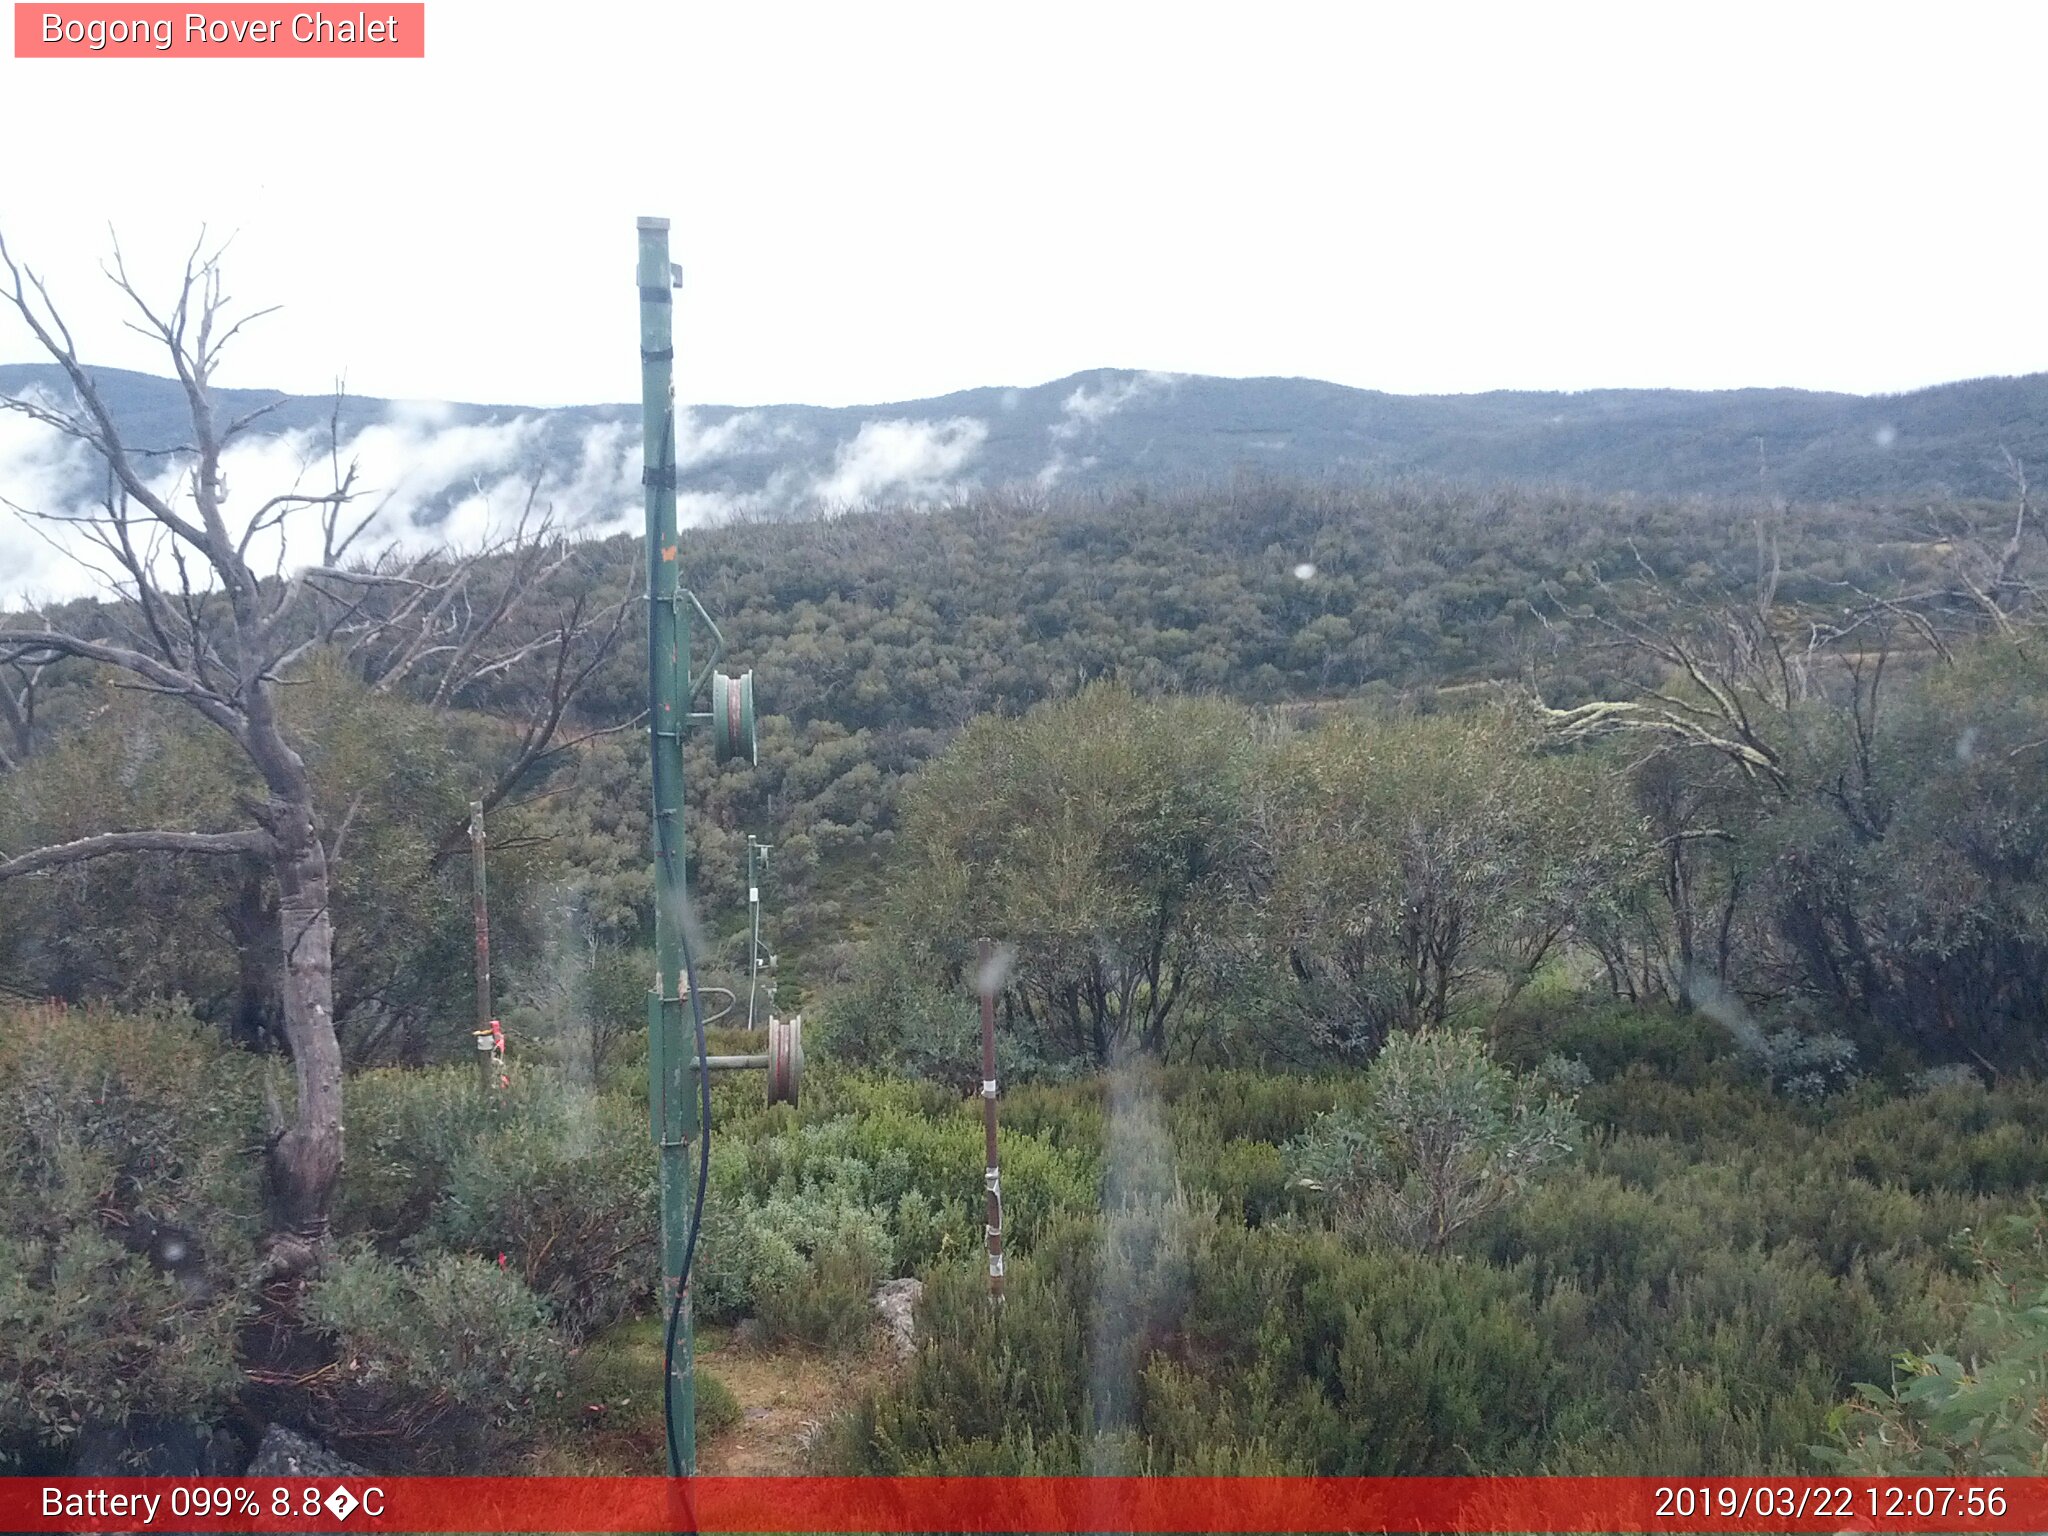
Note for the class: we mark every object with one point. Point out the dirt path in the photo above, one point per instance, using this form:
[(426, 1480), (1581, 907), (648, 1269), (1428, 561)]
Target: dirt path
[(786, 1396)]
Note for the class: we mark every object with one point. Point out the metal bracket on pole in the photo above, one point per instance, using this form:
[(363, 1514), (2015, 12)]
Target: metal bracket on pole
[(717, 642)]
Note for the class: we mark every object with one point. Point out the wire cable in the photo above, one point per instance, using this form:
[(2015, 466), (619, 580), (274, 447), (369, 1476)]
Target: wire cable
[(675, 1307)]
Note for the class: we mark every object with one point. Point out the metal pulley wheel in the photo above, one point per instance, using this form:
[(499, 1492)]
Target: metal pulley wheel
[(732, 717), (785, 1058)]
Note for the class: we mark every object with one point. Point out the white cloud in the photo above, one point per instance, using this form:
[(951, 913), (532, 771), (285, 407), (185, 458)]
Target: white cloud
[(428, 480), (425, 483), (1086, 409), (909, 460)]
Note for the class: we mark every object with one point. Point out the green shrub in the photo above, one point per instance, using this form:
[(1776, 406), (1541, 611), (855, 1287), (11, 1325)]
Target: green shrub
[(829, 1303), (1247, 1178), (570, 1200), (890, 1020), (1443, 1137), (717, 1409), (902, 1159), (1222, 1105), (114, 1127), (556, 1177), (755, 1253), (1984, 1415), (449, 1363), (988, 1393), (407, 1127), (90, 1331)]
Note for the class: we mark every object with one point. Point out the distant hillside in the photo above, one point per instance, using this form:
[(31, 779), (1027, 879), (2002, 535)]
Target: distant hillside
[(1109, 427)]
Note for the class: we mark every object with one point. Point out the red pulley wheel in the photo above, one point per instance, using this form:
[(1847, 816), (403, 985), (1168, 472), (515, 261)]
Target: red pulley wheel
[(785, 1058)]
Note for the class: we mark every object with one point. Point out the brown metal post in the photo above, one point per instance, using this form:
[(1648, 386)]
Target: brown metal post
[(985, 979), (482, 1035)]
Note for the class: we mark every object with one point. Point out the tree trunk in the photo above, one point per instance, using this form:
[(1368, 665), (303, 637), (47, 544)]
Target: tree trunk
[(258, 1022), (306, 1159)]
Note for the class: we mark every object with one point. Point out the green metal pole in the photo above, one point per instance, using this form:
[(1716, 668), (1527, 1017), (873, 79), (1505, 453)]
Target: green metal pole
[(671, 1049)]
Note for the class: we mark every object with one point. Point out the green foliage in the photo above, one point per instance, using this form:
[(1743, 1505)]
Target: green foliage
[(768, 1257), (115, 1128), (89, 1330), (1444, 1136), (1881, 880), (717, 1409), (880, 1177), (400, 775), (892, 1019), (130, 930), (1100, 836), (1695, 1294), (126, 932), (555, 1177), (1746, 1231), (1609, 1038), (1986, 1415), (568, 1198), (406, 1129), (829, 1304), (449, 1361), (549, 1174), (1412, 865)]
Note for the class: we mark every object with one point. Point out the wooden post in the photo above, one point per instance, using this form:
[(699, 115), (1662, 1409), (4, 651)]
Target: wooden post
[(481, 1035), (985, 980)]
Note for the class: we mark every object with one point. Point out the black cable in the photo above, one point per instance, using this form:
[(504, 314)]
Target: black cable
[(675, 1307)]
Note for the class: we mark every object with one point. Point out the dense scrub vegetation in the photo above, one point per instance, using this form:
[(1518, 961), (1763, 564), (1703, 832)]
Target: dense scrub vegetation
[(1696, 1287), (1506, 1000)]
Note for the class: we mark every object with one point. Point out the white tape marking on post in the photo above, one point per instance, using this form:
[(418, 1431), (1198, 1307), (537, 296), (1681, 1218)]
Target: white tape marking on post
[(995, 1266), (988, 1087)]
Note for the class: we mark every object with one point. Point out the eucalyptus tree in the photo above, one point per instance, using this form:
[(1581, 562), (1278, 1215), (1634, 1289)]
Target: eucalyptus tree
[(217, 609)]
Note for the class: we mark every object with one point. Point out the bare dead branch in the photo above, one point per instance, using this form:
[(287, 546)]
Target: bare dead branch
[(106, 843)]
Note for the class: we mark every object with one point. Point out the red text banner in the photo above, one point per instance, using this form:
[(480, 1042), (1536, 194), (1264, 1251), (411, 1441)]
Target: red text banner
[(1028, 1504)]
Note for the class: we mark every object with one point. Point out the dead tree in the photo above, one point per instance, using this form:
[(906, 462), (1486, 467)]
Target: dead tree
[(193, 619)]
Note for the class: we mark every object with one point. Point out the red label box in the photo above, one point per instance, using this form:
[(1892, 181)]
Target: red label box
[(223, 31)]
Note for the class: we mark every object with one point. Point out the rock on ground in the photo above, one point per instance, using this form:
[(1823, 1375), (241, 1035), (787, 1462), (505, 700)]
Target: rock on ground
[(284, 1453), (897, 1302)]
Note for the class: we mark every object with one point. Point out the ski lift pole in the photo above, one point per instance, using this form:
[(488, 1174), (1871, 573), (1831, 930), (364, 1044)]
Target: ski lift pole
[(672, 1097), (673, 1062)]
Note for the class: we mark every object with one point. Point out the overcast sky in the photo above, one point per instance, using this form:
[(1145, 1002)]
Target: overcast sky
[(882, 201)]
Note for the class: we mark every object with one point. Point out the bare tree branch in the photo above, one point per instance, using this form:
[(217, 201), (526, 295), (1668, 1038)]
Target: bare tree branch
[(106, 843)]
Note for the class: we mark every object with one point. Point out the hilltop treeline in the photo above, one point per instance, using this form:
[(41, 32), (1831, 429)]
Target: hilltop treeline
[(874, 639)]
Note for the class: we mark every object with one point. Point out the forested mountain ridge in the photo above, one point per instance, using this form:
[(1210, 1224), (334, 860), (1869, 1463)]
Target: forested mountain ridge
[(1110, 427), (876, 637)]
